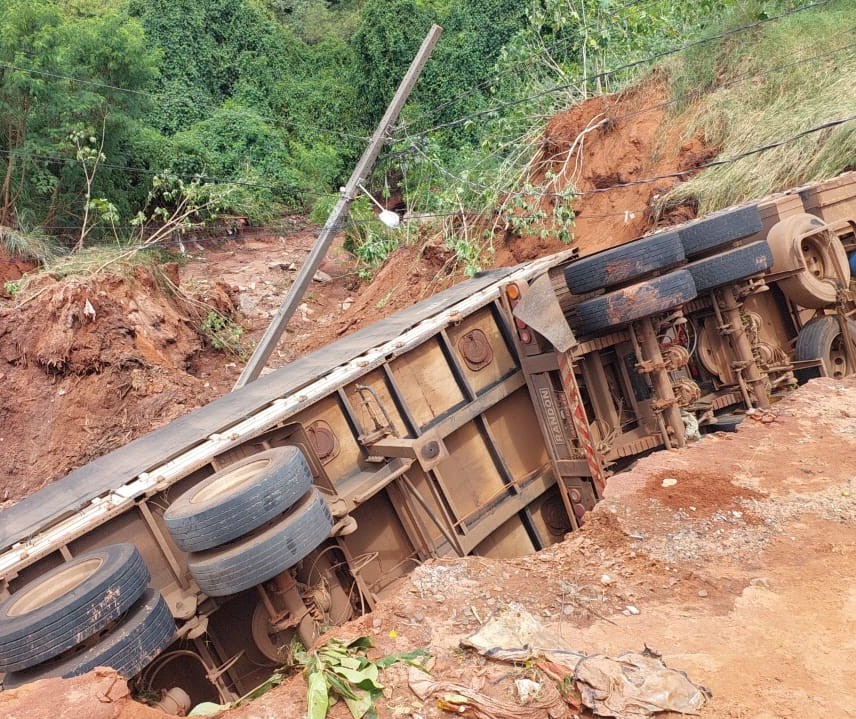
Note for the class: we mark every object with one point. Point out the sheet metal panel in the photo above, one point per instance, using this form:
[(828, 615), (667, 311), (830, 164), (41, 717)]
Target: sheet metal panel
[(77, 489)]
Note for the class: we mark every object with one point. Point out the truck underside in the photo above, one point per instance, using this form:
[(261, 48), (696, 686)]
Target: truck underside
[(454, 427)]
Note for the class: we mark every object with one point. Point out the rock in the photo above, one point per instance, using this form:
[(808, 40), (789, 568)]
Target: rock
[(702, 593), (527, 690), (668, 482), (630, 610), (606, 580), (321, 276)]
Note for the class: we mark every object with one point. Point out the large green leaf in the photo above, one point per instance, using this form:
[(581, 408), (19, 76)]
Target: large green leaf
[(366, 678), (317, 699), (361, 704), (411, 657)]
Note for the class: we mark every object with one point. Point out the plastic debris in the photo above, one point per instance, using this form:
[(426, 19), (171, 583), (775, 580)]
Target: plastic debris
[(527, 690), (635, 686), (629, 686), (513, 634), (460, 699)]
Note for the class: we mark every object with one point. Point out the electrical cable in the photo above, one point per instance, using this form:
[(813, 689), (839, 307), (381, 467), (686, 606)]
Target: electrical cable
[(608, 73), (434, 111), (731, 83), (153, 173), (162, 95), (671, 175)]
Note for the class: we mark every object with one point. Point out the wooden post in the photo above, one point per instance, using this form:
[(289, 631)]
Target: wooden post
[(334, 222)]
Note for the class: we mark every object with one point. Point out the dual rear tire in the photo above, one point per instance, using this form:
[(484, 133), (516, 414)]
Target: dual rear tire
[(94, 610), (250, 521)]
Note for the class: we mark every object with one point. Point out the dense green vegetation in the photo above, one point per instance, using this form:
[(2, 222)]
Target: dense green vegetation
[(259, 107)]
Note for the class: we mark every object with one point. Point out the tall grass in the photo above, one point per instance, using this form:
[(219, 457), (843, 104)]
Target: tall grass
[(29, 244), (764, 86)]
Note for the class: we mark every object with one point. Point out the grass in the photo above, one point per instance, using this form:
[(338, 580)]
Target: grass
[(764, 86), (117, 260), (33, 245)]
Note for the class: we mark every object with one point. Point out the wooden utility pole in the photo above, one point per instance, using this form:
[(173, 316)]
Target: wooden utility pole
[(334, 222)]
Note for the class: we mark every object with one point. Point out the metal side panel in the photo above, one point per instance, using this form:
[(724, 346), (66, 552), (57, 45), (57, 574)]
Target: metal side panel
[(110, 472)]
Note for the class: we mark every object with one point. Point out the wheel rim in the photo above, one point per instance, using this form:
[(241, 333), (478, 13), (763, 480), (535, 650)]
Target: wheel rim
[(230, 480), (816, 258), (837, 358), (61, 584)]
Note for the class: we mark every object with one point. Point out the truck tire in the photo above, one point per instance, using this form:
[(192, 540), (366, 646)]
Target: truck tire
[(264, 553), (625, 263), (238, 499), (643, 299), (730, 266), (712, 232), (820, 257), (146, 630), (821, 339), (69, 604)]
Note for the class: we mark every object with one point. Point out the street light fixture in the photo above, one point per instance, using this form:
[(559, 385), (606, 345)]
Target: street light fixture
[(388, 217)]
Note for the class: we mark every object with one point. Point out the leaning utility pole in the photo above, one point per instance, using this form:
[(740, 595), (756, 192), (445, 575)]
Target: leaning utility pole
[(334, 222)]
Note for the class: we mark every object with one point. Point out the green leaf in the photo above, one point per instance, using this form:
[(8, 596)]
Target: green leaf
[(361, 643), (410, 657), (340, 687), (317, 699), (352, 662), (365, 679), (360, 704)]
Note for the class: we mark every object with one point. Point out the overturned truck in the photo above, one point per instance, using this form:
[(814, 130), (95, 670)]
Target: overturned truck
[(484, 420)]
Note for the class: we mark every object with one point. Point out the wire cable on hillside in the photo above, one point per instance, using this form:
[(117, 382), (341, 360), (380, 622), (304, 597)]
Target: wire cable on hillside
[(484, 84), (80, 80), (749, 76), (657, 178), (613, 71), (614, 119), (167, 95), (727, 160), (182, 176)]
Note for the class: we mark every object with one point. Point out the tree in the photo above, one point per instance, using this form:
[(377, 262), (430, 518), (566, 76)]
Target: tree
[(64, 70), (387, 38)]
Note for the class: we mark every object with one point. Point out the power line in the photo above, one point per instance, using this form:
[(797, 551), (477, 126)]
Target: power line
[(728, 160), (656, 178), (170, 95), (748, 76), (735, 81), (91, 83), (434, 111), (153, 173), (608, 73)]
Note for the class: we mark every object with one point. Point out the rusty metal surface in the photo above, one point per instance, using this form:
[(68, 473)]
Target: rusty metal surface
[(539, 308)]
